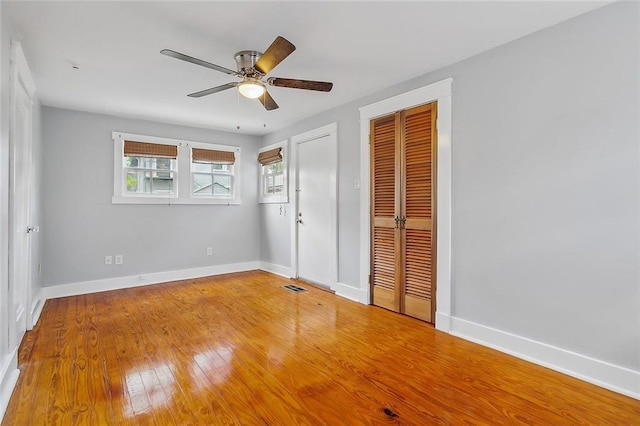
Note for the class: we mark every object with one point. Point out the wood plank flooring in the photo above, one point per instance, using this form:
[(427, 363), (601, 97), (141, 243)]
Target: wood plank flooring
[(239, 349)]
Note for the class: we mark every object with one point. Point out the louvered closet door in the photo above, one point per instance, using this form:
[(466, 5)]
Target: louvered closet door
[(418, 208), (402, 211), (385, 197)]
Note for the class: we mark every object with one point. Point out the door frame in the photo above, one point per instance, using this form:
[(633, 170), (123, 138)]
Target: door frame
[(441, 92), (20, 76), (330, 130)]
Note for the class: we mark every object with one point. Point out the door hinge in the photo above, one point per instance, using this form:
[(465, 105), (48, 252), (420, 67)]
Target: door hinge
[(369, 278)]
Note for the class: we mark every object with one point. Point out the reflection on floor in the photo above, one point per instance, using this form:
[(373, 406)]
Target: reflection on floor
[(237, 349)]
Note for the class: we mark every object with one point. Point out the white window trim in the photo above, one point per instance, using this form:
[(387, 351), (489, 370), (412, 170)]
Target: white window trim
[(183, 193), (279, 198)]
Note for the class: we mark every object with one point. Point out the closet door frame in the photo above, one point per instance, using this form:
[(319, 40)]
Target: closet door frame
[(440, 92)]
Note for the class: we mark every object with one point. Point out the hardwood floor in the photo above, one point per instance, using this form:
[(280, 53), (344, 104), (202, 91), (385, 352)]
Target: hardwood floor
[(239, 349)]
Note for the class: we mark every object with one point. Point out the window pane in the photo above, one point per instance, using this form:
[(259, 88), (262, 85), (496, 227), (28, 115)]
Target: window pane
[(222, 167), (276, 167), (164, 163), (162, 185), (150, 163), (211, 167), (221, 185), (269, 184), (278, 184), (133, 178), (201, 167), (202, 184), (148, 182)]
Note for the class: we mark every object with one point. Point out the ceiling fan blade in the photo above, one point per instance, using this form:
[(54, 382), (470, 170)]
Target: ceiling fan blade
[(197, 61), (279, 49), (320, 86), (212, 90), (268, 102)]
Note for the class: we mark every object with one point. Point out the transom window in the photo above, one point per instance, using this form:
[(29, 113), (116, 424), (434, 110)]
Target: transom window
[(151, 170)]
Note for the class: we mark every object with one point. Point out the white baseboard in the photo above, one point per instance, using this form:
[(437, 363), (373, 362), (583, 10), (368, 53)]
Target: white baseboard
[(8, 378), (86, 287), (613, 377), (36, 308), (283, 271), (350, 292), (443, 322)]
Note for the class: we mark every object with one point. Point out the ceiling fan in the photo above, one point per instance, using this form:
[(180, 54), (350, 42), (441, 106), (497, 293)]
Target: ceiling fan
[(252, 68)]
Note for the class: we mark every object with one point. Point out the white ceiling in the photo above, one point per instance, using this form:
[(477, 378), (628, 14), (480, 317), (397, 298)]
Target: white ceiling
[(360, 46)]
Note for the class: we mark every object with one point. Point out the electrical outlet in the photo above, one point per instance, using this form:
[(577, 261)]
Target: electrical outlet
[(119, 259), (108, 260), (209, 251)]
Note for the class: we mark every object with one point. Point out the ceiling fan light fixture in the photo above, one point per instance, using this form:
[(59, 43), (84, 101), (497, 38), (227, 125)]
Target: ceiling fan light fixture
[(251, 89)]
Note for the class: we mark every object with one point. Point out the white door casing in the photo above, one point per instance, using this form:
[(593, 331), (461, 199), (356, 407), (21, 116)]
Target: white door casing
[(20, 180), (440, 91), (314, 219)]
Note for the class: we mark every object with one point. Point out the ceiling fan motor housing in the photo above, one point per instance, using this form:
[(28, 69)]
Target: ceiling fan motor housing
[(245, 60)]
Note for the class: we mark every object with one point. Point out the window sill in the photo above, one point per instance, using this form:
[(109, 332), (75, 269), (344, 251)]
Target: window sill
[(274, 200), (173, 201)]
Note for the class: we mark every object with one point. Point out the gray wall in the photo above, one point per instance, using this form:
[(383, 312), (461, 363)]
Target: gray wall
[(275, 233), (545, 186), (81, 225)]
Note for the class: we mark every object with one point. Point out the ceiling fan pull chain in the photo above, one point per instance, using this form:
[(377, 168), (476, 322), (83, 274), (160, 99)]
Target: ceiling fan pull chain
[(238, 111)]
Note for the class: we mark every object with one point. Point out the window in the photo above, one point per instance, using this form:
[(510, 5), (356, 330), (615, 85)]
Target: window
[(152, 170), (149, 168), (273, 173), (212, 173)]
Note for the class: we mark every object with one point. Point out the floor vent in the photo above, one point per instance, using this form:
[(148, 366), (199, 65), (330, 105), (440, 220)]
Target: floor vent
[(294, 288)]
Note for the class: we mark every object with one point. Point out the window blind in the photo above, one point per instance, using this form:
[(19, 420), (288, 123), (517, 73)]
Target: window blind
[(270, 157), (146, 149), (212, 156)]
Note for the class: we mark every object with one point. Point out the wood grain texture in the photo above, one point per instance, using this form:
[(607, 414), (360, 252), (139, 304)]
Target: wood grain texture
[(403, 152), (239, 349)]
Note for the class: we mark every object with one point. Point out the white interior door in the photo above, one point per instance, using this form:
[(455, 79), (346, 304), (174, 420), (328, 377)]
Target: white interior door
[(20, 197), (315, 216)]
